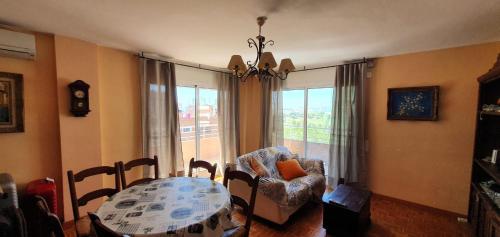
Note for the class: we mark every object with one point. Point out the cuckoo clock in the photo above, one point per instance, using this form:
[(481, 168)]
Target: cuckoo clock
[(79, 94)]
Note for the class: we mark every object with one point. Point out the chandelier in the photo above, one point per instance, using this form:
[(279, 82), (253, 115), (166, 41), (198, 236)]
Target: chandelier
[(264, 63)]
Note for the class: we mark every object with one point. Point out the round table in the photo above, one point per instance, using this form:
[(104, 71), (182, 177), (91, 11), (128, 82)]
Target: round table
[(177, 206)]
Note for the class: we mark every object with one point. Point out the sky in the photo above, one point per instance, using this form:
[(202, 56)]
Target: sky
[(186, 97), (318, 100)]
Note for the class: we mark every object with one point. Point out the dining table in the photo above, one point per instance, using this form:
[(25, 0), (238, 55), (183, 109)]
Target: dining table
[(175, 206)]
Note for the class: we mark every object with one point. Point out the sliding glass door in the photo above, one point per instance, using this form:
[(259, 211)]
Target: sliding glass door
[(294, 120), (186, 99), (208, 126), (307, 118), (198, 124)]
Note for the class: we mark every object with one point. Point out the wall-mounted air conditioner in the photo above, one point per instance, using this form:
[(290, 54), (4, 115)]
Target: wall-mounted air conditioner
[(17, 44)]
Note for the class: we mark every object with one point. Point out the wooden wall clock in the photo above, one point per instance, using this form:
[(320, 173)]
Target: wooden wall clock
[(79, 98)]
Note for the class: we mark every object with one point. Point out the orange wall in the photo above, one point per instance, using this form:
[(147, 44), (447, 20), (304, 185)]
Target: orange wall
[(250, 115), (80, 137), (54, 141), (119, 92), (427, 162), (35, 153)]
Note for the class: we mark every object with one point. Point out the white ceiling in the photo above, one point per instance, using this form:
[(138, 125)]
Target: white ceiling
[(311, 32)]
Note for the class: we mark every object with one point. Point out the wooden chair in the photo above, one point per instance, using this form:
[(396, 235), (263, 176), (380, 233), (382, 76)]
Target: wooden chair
[(253, 183), (50, 224), (100, 229), (202, 164), (82, 225), (138, 162)]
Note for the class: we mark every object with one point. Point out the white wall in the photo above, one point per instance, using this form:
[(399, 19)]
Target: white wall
[(187, 76), (311, 79)]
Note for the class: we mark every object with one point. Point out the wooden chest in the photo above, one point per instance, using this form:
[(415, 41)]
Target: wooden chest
[(346, 211)]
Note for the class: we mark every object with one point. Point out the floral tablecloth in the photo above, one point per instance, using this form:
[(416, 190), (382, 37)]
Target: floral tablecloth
[(179, 206)]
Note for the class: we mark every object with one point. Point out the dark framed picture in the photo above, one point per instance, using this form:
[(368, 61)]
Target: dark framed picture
[(11, 103), (413, 103)]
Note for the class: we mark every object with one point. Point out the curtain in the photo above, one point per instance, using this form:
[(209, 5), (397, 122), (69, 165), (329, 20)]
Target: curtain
[(227, 109), (347, 149), (272, 113), (160, 122)]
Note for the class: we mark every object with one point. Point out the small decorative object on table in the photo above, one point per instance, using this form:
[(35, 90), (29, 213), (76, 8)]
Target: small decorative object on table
[(494, 155), (11, 103), (413, 103)]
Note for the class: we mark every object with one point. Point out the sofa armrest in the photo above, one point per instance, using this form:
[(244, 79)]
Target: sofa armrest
[(273, 188), (312, 165)]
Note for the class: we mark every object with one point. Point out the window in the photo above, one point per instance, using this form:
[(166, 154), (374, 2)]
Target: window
[(293, 121), (199, 124), (307, 118)]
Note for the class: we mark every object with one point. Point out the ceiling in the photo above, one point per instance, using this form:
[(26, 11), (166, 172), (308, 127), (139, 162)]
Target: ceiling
[(311, 32)]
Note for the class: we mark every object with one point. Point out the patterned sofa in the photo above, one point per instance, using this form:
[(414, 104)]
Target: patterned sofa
[(277, 198)]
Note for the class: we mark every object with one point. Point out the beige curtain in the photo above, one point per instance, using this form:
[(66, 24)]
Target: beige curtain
[(228, 112), (347, 150), (160, 122), (272, 113)]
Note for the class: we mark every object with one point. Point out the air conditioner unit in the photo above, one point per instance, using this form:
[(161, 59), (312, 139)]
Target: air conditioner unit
[(17, 44)]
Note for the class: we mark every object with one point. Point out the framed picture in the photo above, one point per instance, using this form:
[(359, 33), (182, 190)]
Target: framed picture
[(11, 103), (413, 103)]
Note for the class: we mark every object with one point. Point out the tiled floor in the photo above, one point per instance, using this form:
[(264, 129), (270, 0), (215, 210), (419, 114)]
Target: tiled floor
[(390, 218)]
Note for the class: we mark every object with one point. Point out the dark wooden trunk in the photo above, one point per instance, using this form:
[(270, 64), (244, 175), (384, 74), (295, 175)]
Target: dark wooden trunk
[(346, 211)]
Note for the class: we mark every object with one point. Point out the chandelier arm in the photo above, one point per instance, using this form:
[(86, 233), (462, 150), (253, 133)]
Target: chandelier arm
[(270, 42), (246, 74), (251, 44), (281, 76), (240, 76)]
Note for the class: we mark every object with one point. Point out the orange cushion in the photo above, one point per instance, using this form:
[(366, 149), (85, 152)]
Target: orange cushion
[(259, 168), (290, 169)]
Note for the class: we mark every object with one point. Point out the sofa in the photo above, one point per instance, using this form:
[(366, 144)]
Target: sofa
[(277, 198)]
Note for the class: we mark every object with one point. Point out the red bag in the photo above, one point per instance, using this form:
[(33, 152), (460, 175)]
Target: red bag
[(45, 188)]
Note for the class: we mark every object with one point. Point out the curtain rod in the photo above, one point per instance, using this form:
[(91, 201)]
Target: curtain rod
[(141, 55), (364, 60)]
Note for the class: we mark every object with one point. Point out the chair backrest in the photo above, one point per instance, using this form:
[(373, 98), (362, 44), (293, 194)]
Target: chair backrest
[(253, 183), (84, 199), (50, 224), (138, 162), (100, 229), (202, 164)]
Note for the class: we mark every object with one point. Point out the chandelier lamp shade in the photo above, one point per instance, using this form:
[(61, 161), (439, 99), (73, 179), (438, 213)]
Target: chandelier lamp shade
[(264, 63)]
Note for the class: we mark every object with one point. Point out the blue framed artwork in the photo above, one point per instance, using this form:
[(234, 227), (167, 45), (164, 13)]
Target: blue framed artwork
[(413, 103)]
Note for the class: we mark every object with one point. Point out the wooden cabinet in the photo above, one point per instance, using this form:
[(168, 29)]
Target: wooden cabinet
[(491, 226), (483, 210), (474, 209), (483, 215)]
